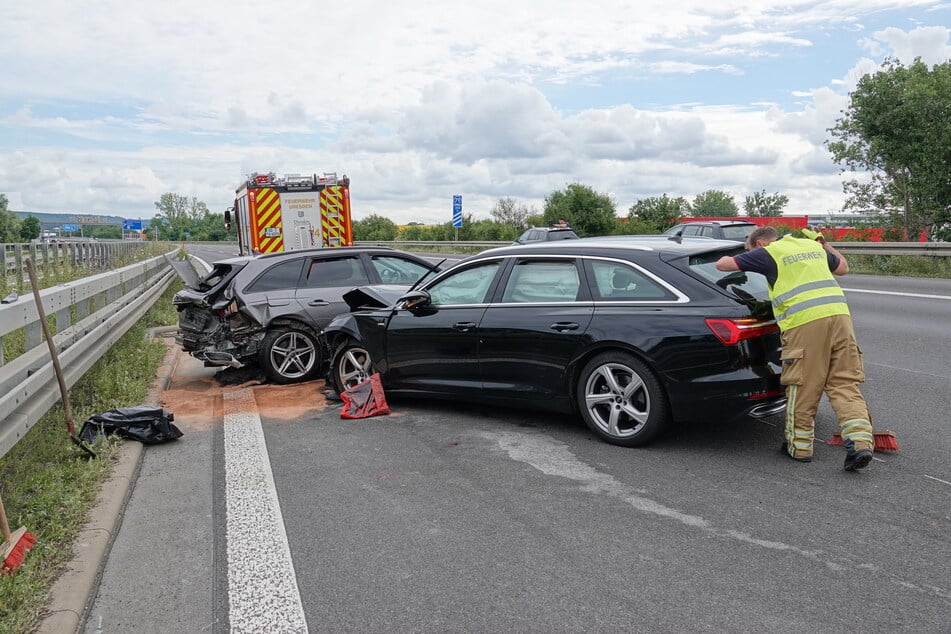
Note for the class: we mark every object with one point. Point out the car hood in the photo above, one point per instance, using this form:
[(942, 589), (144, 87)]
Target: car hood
[(378, 296)]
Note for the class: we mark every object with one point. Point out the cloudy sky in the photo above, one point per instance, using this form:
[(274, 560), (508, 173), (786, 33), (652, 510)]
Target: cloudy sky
[(106, 105)]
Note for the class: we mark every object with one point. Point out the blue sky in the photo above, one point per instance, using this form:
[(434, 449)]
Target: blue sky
[(114, 103)]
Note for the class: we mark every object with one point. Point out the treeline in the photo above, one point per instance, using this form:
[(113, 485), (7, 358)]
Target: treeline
[(13, 229)]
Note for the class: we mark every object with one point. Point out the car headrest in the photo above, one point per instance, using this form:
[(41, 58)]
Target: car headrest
[(623, 278)]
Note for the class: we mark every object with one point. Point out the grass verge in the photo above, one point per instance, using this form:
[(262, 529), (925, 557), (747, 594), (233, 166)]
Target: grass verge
[(49, 486)]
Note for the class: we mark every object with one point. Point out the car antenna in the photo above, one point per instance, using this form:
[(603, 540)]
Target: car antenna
[(426, 274)]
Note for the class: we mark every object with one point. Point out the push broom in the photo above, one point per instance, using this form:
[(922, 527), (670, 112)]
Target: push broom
[(15, 545)]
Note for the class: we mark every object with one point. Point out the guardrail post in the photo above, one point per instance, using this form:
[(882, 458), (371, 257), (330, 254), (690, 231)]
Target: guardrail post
[(18, 258)]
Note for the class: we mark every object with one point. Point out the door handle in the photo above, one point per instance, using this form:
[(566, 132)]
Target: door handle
[(318, 302), (563, 326), (463, 326)]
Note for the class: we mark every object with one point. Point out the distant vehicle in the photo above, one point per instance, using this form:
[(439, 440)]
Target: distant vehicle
[(274, 214), (631, 332), (546, 234), (736, 230)]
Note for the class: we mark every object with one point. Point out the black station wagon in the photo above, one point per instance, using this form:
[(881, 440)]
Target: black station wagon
[(632, 332)]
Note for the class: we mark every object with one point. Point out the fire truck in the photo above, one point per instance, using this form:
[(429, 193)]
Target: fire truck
[(273, 214)]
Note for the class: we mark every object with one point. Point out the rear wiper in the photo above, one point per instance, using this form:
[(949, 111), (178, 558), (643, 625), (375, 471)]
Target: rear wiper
[(426, 274)]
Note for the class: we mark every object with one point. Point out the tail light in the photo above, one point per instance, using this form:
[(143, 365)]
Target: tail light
[(732, 331)]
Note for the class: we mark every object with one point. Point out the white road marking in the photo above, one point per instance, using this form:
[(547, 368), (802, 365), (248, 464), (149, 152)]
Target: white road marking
[(262, 586), (896, 293), (937, 479)]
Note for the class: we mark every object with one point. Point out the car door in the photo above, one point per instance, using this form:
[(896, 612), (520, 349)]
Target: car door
[(534, 329), (271, 293), (434, 349), (326, 277)]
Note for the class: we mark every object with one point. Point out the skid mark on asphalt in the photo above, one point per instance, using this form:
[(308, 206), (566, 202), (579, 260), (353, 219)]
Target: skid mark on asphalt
[(553, 458), (262, 586)]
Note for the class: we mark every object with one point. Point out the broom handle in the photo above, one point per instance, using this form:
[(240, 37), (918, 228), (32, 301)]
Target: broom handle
[(49, 340), (4, 526)]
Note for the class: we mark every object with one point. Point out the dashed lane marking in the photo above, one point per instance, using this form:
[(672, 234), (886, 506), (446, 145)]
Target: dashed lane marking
[(262, 587)]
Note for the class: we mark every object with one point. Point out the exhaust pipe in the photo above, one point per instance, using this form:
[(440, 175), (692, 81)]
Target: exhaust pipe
[(220, 359), (768, 409)]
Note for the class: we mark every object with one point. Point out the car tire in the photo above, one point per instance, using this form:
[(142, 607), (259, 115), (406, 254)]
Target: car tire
[(621, 399), (351, 365), (290, 355)]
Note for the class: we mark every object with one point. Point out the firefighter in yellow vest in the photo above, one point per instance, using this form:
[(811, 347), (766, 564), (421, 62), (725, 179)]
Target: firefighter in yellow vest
[(820, 354)]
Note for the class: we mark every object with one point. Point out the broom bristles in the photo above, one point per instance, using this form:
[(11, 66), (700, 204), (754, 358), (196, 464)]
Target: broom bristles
[(884, 440), (15, 554)]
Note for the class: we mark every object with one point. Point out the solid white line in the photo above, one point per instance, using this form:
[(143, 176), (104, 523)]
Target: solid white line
[(896, 293), (262, 586), (938, 479)]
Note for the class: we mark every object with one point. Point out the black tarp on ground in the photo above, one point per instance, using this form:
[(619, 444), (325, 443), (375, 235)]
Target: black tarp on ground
[(149, 425)]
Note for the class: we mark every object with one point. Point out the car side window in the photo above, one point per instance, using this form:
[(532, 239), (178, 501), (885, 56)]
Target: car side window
[(524, 236), (331, 272), (707, 232), (465, 287), (396, 270), (541, 281), (621, 282), (691, 230), (280, 276)]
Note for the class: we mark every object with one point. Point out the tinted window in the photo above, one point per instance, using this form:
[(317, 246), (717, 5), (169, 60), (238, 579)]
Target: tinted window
[(330, 272), (280, 276), (397, 270), (620, 282), (539, 281), (706, 231), (562, 235), (738, 232), (751, 283), (691, 230), (464, 287)]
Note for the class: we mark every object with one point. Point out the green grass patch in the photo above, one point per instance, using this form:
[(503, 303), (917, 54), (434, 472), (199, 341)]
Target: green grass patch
[(902, 265), (49, 485)]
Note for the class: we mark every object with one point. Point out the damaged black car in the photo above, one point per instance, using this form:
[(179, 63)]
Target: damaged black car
[(630, 332), (269, 310)]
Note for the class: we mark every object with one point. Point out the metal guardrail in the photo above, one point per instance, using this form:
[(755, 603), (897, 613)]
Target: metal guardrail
[(932, 249), (90, 315), (48, 257)]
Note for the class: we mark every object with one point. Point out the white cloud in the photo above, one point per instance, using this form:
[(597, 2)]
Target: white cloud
[(104, 110)]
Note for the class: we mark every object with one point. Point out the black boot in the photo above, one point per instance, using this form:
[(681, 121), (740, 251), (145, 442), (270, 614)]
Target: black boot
[(855, 460)]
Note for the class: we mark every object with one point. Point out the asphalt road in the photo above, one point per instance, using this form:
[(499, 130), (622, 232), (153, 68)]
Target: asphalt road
[(443, 517)]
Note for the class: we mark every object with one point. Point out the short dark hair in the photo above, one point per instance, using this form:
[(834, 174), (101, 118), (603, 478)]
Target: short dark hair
[(761, 233)]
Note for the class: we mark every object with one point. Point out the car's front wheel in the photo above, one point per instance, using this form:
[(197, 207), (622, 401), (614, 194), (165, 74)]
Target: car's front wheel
[(289, 355), (351, 365), (621, 399)]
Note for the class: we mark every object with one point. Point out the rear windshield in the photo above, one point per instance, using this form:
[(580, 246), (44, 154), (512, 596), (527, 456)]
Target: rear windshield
[(218, 274), (754, 284), (737, 232)]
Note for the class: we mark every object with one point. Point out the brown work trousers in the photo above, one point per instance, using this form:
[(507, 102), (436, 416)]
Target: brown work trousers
[(819, 357)]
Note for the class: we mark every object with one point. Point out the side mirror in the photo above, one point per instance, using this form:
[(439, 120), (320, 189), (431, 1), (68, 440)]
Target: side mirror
[(228, 216), (414, 299)]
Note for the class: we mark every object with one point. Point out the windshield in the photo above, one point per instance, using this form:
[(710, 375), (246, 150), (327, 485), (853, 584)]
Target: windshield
[(752, 288)]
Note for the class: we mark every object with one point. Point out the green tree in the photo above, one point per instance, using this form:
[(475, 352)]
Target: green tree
[(588, 212), (763, 205), (9, 223), (714, 202), (376, 228), (655, 213), (178, 215), (30, 228), (894, 140), (510, 212)]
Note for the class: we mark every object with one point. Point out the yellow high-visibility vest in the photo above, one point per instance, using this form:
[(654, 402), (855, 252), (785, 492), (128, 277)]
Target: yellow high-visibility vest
[(805, 289)]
